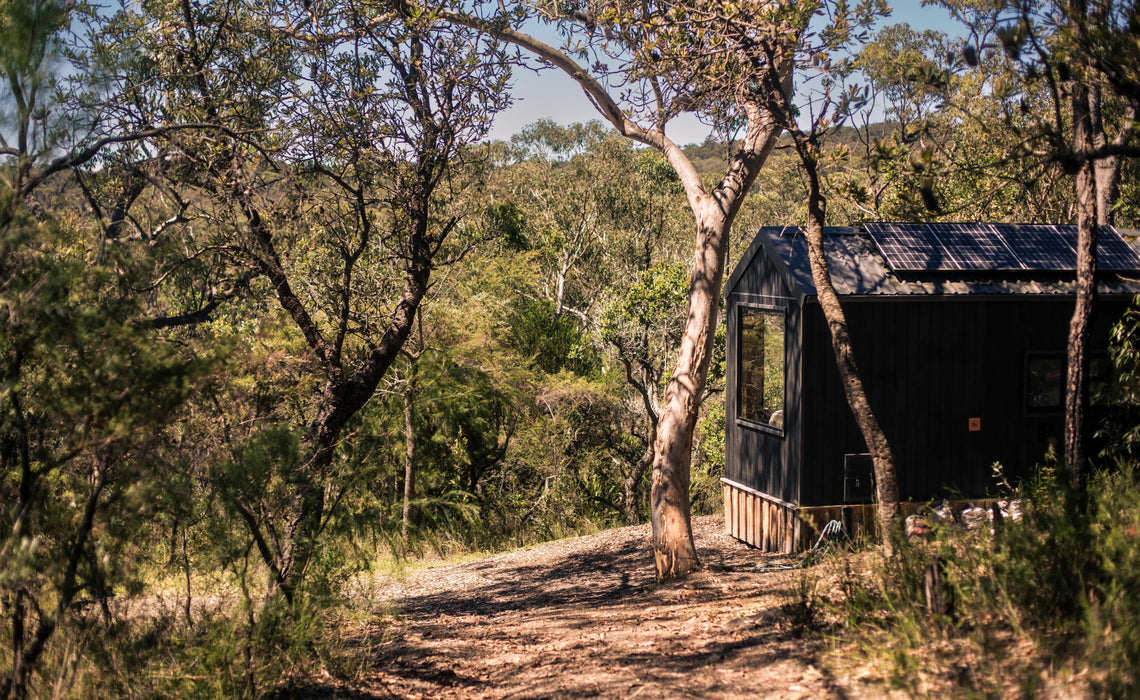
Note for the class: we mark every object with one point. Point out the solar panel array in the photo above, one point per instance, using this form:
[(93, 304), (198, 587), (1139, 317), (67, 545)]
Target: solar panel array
[(954, 246)]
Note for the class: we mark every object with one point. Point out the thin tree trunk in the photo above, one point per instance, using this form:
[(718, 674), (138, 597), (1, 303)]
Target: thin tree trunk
[(631, 483), (1108, 168), (646, 385), (16, 683), (409, 452), (883, 458), (186, 570), (559, 291), (1076, 385)]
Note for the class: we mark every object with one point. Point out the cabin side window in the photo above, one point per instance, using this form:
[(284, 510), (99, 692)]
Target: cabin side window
[(1045, 377), (762, 371)]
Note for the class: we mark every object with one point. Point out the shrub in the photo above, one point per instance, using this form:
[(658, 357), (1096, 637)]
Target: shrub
[(1054, 590)]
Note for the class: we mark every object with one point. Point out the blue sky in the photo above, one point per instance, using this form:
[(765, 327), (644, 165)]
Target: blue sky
[(553, 95)]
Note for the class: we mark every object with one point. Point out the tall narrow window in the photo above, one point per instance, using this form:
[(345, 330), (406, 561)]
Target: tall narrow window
[(762, 366)]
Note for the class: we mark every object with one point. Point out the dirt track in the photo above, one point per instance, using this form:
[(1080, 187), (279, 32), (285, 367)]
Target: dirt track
[(583, 618)]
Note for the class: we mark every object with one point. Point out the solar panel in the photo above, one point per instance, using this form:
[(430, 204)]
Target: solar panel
[(1042, 246), (905, 246), (975, 247), (1113, 253)]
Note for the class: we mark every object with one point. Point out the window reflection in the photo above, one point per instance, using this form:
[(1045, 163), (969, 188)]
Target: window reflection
[(762, 366)]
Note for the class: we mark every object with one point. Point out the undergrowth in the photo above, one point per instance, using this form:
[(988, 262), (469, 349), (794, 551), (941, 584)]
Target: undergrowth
[(1045, 604), (250, 650)]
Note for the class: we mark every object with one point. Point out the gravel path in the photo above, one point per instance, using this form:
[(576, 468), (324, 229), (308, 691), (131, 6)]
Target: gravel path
[(584, 618)]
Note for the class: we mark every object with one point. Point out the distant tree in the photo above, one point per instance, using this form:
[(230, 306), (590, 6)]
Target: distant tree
[(620, 211), (949, 148), (565, 184), (642, 326)]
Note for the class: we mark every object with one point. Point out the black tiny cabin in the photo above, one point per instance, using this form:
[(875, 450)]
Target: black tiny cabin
[(959, 333)]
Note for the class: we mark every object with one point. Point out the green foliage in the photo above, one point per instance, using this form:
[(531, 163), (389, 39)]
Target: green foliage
[(550, 141), (87, 400), (231, 650), (30, 49), (1053, 588), (1121, 428), (644, 323), (654, 300), (705, 491), (508, 224), (564, 479), (552, 342), (199, 372)]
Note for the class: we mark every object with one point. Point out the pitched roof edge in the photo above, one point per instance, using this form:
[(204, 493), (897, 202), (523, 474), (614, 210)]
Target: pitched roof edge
[(761, 241)]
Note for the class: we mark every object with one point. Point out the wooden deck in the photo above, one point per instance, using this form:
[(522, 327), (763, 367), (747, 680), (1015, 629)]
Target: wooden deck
[(772, 525)]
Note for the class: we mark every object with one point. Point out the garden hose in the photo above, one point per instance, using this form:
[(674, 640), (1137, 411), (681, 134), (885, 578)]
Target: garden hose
[(832, 532)]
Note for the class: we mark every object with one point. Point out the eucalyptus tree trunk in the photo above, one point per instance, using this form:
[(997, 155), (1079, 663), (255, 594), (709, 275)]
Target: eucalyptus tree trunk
[(882, 456), (673, 548), (713, 211), (1076, 384), (1108, 168)]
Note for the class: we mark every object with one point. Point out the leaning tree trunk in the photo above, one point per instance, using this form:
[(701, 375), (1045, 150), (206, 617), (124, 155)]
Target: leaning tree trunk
[(886, 480), (673, 549), (342, 399)]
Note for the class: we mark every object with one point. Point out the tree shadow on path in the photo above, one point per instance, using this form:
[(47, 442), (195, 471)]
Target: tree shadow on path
[(585, 618)]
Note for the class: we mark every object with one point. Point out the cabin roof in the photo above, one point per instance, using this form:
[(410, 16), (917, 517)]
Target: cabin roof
[(859, 268)]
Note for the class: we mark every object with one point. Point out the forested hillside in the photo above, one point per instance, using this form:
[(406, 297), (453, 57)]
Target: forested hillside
[(275, 313)]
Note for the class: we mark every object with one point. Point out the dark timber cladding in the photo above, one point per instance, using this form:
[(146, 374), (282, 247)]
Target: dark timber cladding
[(959, 333)]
